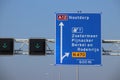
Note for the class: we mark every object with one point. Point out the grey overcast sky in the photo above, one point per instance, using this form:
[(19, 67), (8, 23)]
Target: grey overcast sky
[(36, 18)]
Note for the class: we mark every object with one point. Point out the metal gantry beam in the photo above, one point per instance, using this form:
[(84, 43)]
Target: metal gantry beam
[(110, 41), (113, 49), (25, 42)]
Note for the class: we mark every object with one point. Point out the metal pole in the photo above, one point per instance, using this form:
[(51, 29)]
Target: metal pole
[(59, 76), (77, 72)]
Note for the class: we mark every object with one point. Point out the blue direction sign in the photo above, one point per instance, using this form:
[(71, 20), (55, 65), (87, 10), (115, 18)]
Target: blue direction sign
[(78, 38)]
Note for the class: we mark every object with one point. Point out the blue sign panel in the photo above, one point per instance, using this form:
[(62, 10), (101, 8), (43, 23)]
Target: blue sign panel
[(78, 38)]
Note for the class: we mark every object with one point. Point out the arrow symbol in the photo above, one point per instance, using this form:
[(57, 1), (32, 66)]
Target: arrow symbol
[(61, 24), (66, 55), (4, 45), (61, 39), (37, 45)]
